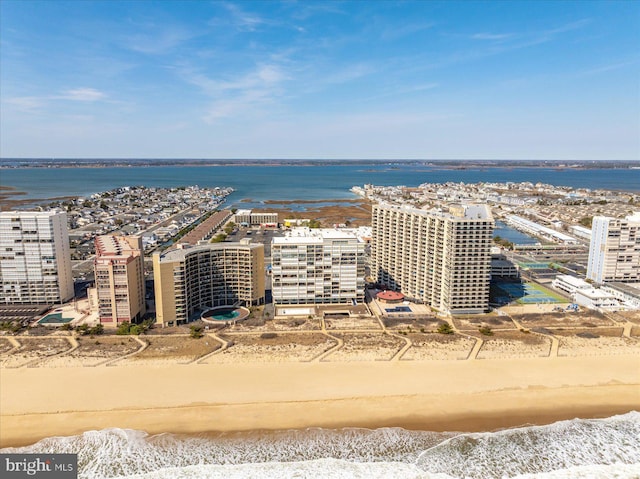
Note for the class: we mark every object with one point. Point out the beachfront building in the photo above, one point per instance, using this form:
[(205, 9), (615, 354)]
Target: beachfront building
[(35, 264), (627, 294), (119, 274), (251, 218), (614, 252), (570, 284), (441, 259), (317, 266), (598, 299), (191, 280)]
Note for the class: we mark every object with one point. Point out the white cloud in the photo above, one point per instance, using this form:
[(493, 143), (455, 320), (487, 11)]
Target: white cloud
[(242, 20), (350, 73), (25, 103), (81, 94), (608, 68), (405, 30), (31, 104), (232, 97), (491, 36)]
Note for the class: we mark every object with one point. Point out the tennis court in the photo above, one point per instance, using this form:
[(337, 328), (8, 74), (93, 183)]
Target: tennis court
[(529, 293), (533, 265)]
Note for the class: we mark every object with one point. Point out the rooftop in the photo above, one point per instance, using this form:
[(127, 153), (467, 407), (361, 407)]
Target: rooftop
[(573, 281), (632, 289), (462, 211), (314, 235), (180, 254), (113, 245)]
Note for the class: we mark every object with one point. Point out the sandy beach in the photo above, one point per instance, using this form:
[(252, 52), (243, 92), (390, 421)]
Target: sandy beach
[(37, 402)]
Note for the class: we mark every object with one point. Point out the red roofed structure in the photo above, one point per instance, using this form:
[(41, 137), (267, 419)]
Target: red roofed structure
[(390, 296)]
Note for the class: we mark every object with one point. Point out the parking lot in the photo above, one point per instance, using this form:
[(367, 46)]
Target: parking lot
[(257, 235)]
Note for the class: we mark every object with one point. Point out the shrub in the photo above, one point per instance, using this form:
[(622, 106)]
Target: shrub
[(97, 330), (445, 328), (83, 329), (486, 331), (124, 328), (137, 329), (268, 336), (196, 331)]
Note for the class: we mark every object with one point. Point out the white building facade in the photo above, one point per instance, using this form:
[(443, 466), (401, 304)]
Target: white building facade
[(596, 299), (317, 266), (35, 262), (570, 284), (614, 252), (190, 280), (436, 258), (119, 274)]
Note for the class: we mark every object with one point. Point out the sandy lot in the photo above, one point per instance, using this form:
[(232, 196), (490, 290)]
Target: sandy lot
[(34, 350), (587, 319), (514, 344), (472, 323), (95, 351), (172, 349), (272, 348), (366, 347), (595, 342), (436, 346), (352, 323)]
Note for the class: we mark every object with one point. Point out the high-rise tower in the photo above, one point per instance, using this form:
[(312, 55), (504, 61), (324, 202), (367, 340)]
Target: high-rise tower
[(437, 258), (119, 272), (614, 252), (35, 262)]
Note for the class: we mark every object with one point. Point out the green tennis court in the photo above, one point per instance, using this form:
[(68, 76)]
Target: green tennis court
[(529, 293)]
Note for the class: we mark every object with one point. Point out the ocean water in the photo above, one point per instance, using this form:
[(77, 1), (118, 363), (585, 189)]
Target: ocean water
[(595, 448), (328, 181)]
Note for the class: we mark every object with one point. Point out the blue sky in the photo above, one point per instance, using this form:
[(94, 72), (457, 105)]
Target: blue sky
[(306, 79)]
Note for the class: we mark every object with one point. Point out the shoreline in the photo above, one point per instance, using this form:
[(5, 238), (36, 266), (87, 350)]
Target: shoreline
[(459, 164), (484, 395)]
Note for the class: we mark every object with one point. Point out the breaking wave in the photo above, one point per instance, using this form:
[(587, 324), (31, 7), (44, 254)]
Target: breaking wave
[(579, 448)]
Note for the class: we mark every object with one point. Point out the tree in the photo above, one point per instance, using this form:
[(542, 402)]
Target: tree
[(83, 329), (228, 229), (586, 221), (97, 330), (445, 328), (124, 328), (503, 242), (196, 331)]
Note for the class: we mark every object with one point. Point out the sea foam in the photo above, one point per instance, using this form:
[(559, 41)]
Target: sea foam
[(608, 448)]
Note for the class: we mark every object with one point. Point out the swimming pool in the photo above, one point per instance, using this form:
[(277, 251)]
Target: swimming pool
[(54, 318), (225, 313)]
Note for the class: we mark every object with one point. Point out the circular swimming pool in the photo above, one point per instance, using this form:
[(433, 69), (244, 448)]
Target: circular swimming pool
[(225, 313)]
